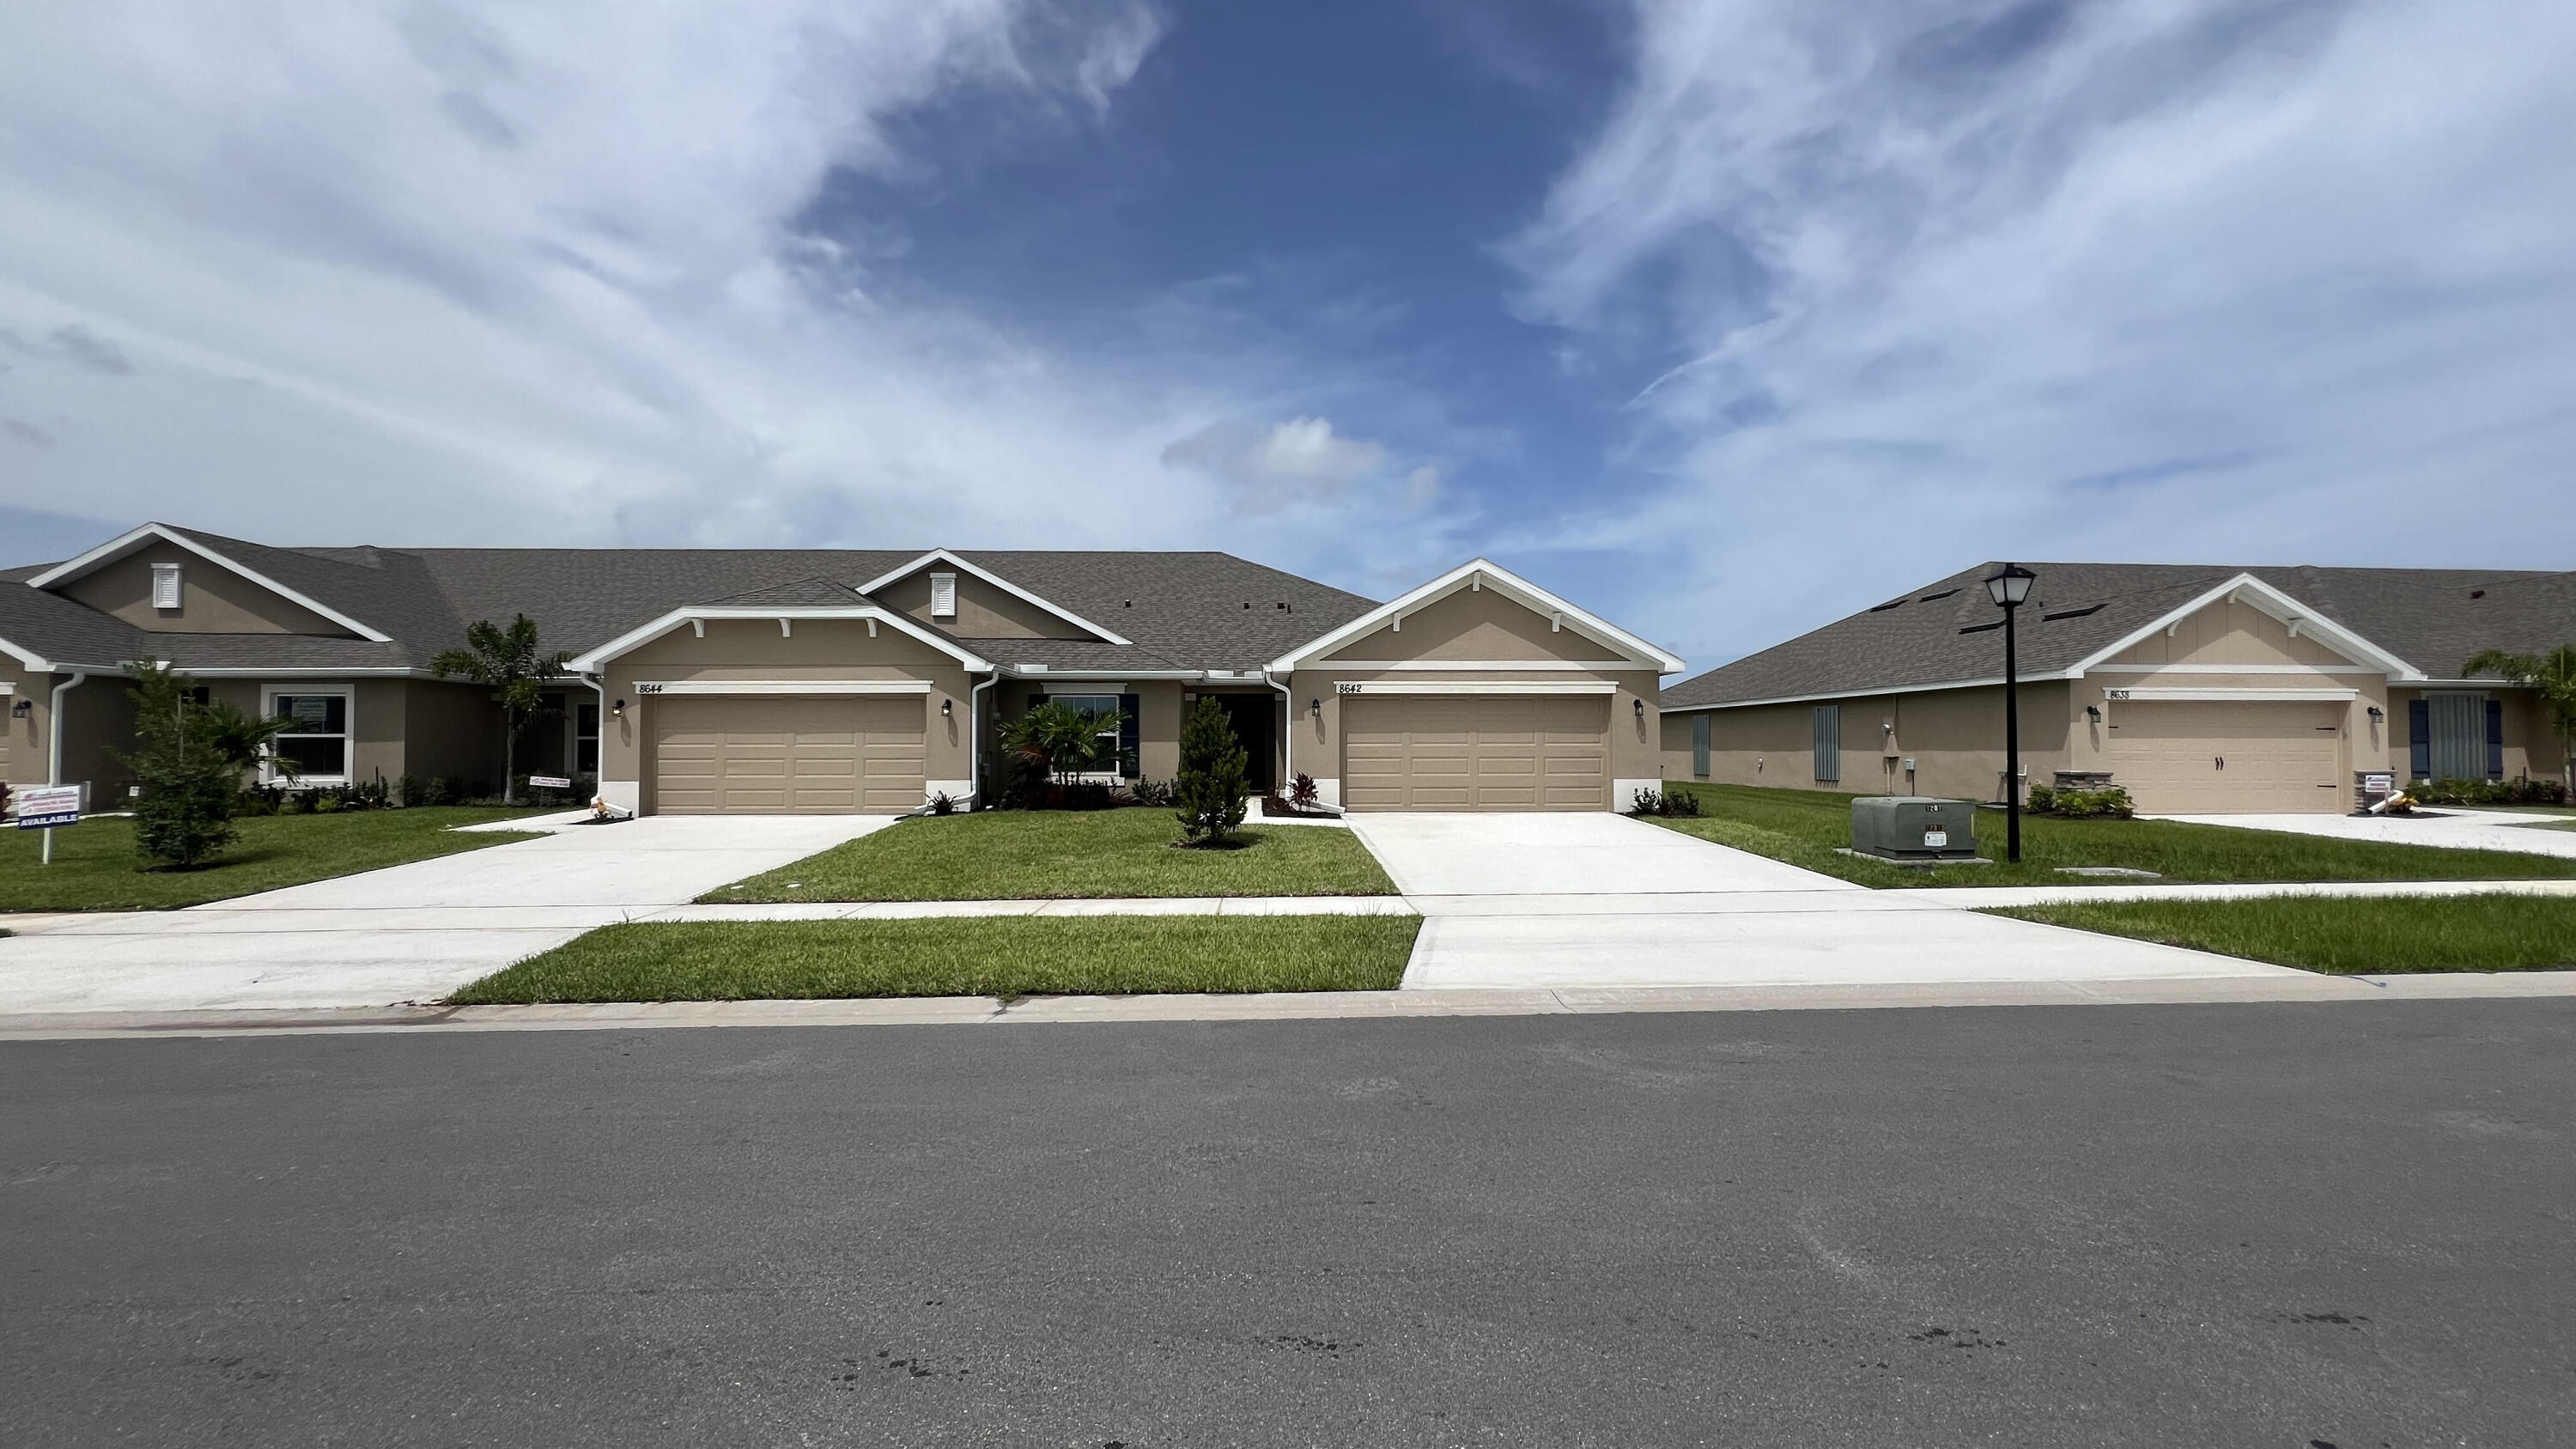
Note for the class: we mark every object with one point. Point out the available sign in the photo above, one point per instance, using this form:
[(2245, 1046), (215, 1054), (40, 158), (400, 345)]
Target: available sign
[(550, 782), (42, 807)]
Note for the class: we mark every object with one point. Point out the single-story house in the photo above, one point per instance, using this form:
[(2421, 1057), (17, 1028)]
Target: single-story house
[(813, 680), (2197, 688)]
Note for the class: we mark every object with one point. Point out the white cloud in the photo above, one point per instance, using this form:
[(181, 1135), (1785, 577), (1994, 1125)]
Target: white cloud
[(1296, 462), (479, 272), (2145, 279)]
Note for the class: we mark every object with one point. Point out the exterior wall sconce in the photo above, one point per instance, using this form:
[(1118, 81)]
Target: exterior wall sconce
[(617, 710), (1641, 708), (1315, 707), (2093, 712), (948, 709), (2377, 714), (21, 708)]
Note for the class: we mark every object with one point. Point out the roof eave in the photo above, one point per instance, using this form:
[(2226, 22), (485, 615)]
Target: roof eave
[(125, 543), (1479, 571)]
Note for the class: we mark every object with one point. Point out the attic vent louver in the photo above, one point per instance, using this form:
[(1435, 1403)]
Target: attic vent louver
[(1928, 598), (2071, 613), (943, 596)]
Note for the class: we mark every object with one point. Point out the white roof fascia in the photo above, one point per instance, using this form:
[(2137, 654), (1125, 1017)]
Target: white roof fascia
[(1995, 682), (117, 548), (1081, 676), (2273, 602), (592, 661), (1483, 572), (943, 556), (32, 660)]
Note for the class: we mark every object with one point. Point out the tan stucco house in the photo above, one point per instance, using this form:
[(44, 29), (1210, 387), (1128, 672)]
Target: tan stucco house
[(810, 680), (2199, 689)]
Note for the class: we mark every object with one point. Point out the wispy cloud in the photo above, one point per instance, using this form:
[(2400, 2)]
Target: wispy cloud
[(1921, 283)]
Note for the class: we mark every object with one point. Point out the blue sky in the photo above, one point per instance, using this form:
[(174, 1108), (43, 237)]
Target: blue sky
[(1724, 319)]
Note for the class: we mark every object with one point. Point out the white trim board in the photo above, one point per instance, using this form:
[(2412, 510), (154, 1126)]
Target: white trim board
[(1491, 686), (1427, 666), (2236, 669), (943, 556), (658, 688), (1477, 574), (119, 547), (2149, 694), (597, 659), (2246, 588)]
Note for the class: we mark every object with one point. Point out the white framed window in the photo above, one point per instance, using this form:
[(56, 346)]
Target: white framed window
[(1107, 704), (943, 596), (317, 734), (165, 586)]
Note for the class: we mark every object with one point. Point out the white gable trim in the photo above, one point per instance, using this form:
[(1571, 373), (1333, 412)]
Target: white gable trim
[(117, 548), (1480, 574), (32, 660), (2309, 623), (943, 556), (597, 659)]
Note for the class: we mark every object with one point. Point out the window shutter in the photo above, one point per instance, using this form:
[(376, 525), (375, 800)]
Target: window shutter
[(1130, 738), (1699, 745), (2419, 739), (1829, 742), (943, 596), (165, 586), (2495, 739)]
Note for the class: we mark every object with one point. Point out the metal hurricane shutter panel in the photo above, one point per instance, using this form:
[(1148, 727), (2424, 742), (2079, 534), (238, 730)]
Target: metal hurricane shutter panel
[(1829, 741)]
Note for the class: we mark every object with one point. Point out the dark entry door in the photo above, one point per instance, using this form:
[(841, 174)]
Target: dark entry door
[(1252, 716)]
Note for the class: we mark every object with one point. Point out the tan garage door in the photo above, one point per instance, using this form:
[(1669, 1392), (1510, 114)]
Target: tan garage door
[(787, 754), (1476, 752), (2200, 758)]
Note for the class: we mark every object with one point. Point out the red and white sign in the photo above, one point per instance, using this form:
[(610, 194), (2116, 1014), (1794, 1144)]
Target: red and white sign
[(42, 807)]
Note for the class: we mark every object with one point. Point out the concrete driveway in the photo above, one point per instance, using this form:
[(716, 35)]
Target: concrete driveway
[(2447, 827), (406, 933), (1603, 900)]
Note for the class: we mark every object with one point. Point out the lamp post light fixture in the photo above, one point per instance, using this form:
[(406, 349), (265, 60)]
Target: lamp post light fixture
[(2009, 587)]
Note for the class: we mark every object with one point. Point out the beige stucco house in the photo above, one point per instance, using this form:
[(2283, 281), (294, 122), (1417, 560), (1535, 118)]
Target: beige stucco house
[(805, 680), (2198, 689)]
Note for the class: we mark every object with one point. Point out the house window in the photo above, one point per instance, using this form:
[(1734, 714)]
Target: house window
[(585, 739), (943, 596), (1829, 742), (1699, 746), (165, 586), (1120, 737), (2455, 736), (316, 735)]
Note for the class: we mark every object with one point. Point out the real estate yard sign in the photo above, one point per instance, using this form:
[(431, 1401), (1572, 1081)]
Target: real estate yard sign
[(42, 807)]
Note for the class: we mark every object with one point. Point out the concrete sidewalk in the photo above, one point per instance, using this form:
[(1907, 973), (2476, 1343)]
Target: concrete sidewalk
[(2293, 986)]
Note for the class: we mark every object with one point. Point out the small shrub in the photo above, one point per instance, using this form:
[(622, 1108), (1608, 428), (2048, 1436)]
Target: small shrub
[(2487, 792), (942, 803), (2110, 803), (1666, 803), (1302, 793), (1151, 792)]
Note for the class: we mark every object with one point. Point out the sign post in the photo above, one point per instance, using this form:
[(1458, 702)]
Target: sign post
[(44, 807)]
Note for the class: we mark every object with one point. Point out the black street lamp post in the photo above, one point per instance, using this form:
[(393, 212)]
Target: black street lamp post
[(2009, 587)]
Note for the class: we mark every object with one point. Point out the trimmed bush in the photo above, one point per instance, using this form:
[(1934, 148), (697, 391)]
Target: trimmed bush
[(1212, 789)]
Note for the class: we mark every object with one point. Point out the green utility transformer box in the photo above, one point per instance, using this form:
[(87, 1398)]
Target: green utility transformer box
[(1914, 828)]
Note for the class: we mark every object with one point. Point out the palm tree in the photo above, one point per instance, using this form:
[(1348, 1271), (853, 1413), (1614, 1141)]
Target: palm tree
[(2553, 677), (509, 663)]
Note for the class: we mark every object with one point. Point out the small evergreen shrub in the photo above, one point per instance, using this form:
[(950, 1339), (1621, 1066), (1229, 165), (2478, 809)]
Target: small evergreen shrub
[(1211, 789), (2110, 803), (1669, 804)]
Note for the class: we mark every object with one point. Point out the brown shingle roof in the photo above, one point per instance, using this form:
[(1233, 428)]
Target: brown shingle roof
[(2434, 619)]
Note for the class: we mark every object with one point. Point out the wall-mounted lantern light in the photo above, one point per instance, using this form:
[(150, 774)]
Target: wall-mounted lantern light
[(2093, 712), (1315, 707), (2377, 714), (21, 708), (948, 709), (617, 710), (1641, 708)]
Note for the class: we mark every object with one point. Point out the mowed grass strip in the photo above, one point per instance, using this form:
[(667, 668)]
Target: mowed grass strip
[(999, 956), (2346, 936), (1019, 855), (1804, 827), (96, 868)]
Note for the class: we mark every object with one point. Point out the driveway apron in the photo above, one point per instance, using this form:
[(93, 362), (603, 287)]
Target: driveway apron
[(405, 933), (1602, 900)]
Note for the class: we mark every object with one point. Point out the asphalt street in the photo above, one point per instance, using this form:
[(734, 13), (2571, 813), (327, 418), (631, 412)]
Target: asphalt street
[(2275, 1225)]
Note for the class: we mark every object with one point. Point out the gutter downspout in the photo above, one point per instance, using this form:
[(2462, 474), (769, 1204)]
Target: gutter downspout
[(975, 741), (599, 806), (54, 728), (1288, 739)]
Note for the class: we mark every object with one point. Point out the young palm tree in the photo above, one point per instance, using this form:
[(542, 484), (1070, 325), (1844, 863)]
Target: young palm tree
[(510, 664), (2553, 677)]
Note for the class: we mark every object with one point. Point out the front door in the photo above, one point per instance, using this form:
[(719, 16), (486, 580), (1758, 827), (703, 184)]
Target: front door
[(1252, 716)]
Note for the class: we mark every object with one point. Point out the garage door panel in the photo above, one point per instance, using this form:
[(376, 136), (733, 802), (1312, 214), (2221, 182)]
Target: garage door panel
[(1471, 752), (769, 754), (2216, 757)]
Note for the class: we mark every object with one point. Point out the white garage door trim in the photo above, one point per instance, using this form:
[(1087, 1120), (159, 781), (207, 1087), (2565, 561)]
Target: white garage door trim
[(1489, 686), (1407, 752), (783, 686), (2195, 757), (805, 756), (2145, 693)]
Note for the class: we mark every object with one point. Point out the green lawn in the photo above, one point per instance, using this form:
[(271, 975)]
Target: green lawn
[(999, 855), (1803, 827), (95, 867), (991, 956), (2347, 935)]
